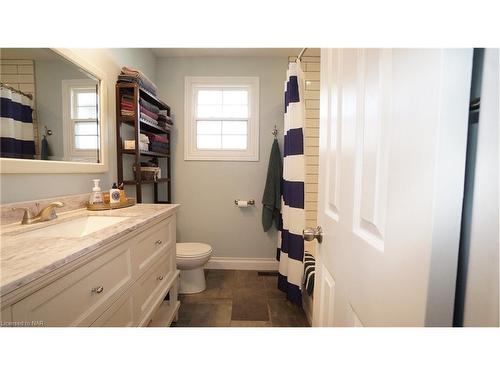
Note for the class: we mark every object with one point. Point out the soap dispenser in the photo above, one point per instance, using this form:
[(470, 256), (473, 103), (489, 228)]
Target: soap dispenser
[(96, 196), (114, 194)]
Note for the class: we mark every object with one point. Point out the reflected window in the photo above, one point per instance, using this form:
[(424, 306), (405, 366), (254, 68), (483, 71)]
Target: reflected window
[(81, 119)]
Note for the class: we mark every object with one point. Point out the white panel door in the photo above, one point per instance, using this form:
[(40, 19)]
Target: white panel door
[(393, 127)]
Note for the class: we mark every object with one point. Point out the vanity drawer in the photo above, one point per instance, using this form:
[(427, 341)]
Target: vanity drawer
[(121, 314), (78, 298), (152, 244), (150, 289)]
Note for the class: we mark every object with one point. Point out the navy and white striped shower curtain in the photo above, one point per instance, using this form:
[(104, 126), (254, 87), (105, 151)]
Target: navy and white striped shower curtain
[(291, 243), (16, 125)]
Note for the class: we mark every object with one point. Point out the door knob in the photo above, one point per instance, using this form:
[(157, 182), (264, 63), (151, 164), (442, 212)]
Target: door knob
[(310, 234)]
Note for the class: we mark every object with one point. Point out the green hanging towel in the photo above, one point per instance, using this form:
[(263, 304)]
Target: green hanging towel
[(272, 192), (45, 152)]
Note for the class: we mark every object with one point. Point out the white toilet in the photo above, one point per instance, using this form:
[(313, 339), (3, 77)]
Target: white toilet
[(191, 257)]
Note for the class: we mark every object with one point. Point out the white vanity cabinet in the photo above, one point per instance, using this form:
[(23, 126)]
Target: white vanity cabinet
[(121, 284)]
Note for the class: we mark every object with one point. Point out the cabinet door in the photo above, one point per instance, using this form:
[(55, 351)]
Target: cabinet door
[(120, 314), (78, 298), (150, 289)]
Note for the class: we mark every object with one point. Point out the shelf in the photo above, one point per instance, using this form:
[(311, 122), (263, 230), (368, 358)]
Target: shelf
[(133, 182), (147, 153), (141, 126), (145, 125), (145, 94)]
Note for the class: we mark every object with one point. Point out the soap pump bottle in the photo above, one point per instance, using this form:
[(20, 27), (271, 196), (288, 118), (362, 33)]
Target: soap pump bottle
[(114, 194), (96, 196)]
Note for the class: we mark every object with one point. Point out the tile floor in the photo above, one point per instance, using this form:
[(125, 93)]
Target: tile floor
[(239, 299)]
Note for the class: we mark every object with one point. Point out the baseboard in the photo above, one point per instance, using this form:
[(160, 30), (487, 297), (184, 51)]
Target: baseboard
[(255, 264)]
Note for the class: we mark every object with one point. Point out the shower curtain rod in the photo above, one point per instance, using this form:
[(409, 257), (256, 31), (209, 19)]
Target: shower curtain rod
[(301, 54)]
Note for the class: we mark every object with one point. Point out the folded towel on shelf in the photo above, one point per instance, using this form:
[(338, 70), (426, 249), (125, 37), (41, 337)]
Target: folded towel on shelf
[(127, 112), (142, 79), (168, 119), (148, 119), (149, 106), (143, 138), (143, 84), (158, 138), (159, 147), (153, 115), (127, 106), (165, 126)]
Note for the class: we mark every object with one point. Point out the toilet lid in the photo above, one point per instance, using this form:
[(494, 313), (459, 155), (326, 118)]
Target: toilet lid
[(192, 249)]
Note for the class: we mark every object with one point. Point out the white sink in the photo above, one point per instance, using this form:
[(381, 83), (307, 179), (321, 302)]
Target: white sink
[(77, 227)]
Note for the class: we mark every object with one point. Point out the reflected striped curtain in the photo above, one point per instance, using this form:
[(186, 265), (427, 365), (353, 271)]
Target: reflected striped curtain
[(16, 124), (291, 246)]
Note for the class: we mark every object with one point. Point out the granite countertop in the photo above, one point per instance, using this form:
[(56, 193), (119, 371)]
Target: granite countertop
[(24, 257)]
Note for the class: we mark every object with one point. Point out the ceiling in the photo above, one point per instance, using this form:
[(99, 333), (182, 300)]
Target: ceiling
[(232, 52)]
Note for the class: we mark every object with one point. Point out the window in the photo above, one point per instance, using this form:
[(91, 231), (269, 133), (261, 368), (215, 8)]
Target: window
[(222, 118), (80, 111)]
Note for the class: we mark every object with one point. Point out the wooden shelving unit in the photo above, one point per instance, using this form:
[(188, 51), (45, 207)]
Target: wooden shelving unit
[(141, 126)]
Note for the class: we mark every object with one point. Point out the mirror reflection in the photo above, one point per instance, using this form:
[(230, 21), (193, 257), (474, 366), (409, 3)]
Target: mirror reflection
[(49, 107)]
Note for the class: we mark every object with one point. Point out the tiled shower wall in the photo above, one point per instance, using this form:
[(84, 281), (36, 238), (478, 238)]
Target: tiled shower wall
[(20, 74), (311, 67)]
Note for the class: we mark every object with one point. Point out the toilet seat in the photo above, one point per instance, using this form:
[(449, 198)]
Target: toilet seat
[(192, 249)]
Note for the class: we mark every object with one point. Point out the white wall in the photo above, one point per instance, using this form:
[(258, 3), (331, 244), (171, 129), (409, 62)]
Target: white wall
[(207, 190), (22, 187)]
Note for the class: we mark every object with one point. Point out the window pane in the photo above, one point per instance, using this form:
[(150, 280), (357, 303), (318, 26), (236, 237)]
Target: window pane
[(86, 142), (234, 127), (235, 97), (208, 127), (209, 110), (208, 142), (87, 99), (85, 128), (235, 110), (209, 97), (86, 112), (234, 142)]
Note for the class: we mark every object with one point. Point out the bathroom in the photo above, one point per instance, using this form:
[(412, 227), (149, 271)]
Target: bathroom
[(205, 189), (248, 189)]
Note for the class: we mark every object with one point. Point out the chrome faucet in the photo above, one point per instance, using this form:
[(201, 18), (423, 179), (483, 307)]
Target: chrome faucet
[(46, 214)]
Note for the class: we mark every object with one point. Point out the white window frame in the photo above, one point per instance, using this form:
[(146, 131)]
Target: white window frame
[(70, 152), (192, 84)]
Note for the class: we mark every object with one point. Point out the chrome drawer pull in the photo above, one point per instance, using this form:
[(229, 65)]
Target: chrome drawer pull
[(97, 289), (160, 277), (158, 242)]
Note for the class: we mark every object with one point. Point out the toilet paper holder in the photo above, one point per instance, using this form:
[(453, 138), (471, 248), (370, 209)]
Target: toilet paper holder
[(250, 202)]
